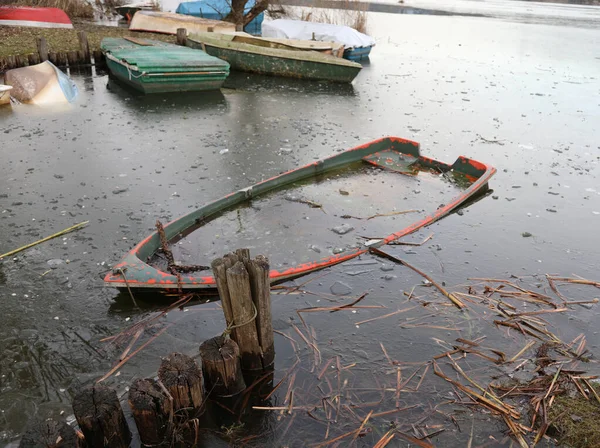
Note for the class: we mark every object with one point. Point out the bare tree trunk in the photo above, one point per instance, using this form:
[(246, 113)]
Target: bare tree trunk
[(237, 12)]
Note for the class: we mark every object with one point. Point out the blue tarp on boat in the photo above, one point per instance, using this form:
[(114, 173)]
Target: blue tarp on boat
[(217, 10)]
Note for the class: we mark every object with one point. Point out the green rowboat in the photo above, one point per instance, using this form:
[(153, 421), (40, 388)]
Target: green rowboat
[(262, 56), (157, 67)]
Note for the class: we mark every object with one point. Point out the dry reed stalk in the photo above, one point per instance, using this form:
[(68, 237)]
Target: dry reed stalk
[(384, 316), (386, 355), (385, 439), (131, 344), (333, 309), (448, 295), (281, 381), (421, 443), (500, 408), (515, 431), (523, 350), (487, 394), (578, 281), (362, 425), (127, 358)]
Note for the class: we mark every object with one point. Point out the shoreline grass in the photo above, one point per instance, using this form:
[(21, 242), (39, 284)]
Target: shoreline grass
[(23, 40)]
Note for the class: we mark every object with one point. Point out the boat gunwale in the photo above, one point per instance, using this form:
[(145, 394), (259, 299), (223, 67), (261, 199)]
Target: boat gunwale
[(146, 276), (339, 62)]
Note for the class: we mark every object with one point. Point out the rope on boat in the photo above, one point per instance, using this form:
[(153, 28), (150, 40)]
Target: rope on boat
[(230, 327), (122, 272)]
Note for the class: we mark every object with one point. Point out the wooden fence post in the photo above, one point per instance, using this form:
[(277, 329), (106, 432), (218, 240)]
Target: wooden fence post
[(181, 36), (152, 409), (100, 417), (221, 367), (49, 434), (83, 43), (42, 47), (183, 379)]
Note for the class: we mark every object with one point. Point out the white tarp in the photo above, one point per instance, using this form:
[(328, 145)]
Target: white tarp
[(325, 32)]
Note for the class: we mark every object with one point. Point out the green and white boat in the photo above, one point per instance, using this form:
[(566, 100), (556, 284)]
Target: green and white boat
[(253, 54), (152, 66)]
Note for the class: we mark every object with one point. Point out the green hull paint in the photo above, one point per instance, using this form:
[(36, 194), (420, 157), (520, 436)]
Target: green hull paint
[(157, 67), (278, 62), (158, 84)]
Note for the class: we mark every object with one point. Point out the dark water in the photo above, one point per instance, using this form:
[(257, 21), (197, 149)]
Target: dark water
[(521, 97)]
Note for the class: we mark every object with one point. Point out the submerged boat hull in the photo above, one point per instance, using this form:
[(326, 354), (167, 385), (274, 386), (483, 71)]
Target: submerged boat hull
[(391, 153), (276, 61)]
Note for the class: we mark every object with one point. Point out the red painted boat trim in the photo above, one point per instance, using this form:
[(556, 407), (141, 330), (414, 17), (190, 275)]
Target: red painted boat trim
[(163, 280), (29, 16)]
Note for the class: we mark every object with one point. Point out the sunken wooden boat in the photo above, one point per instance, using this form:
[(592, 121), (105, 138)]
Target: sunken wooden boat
[(281, 217), (151, 66), (268, 57)]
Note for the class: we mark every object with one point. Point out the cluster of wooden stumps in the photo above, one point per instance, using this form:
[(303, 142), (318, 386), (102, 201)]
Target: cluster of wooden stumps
[(76, 58), (169, 410)]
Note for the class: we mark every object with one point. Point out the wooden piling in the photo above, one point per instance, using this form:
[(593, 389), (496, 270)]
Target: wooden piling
[(85, 48), (34, 58), (61, 59), (99, 57), (100, 418), (244, 316), (181, 36), (221, 367), (260, 285), (52, 58), (21, 60), (244, 289), (49, 434), (42, 47), (183, 379), (152, 409), (72, 58), (11, 62)]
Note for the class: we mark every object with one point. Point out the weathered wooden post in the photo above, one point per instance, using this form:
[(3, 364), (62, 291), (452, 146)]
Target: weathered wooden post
[(52, 57), (72, 58), (183, 379), (98, 57), (22, 60), (83, 43), (34, 58), (11, 62), (61, 58), (100, 417), (181, 36), (49, 434), (221, 367), (152, 409), (42, 47), (244, 289)]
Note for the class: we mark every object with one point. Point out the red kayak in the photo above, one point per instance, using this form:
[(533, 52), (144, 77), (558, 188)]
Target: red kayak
[(38, 17)]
